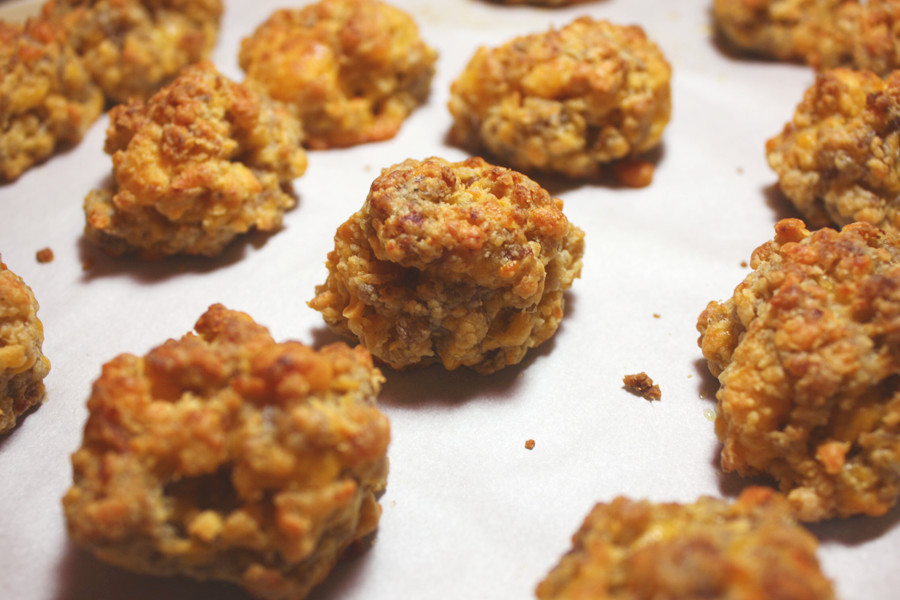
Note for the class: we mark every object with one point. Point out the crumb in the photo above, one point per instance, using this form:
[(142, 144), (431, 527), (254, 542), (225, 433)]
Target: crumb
[(226, 455), (134, 47), (633, 173), (351, 70), (202, 161), (44, 255), (463, 264), (740, 170), (807, 344), (713, 548), (568, 101), (23, 365), (643, 386), (529, 444), (657, 316), (744, 264)]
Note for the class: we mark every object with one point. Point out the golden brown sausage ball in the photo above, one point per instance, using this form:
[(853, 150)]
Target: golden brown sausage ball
[(352, 70), (822, 33), (134, 47), (463, 264), (818, 32), (807, 352), (837, 160), (202, 161), (47, 98), (566, 101), (749, 549), (878, 37), (226, 455), (23, 366)]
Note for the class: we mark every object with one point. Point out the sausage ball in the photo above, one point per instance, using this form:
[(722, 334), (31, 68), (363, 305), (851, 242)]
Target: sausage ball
[(750, 549), (134, 47), (225, 455), (352, 70), (818, 32), (807, 352), (203, 160), (23, 366), (837, 160), (47, 98), (822, 33), (463, 263), (567, 101)]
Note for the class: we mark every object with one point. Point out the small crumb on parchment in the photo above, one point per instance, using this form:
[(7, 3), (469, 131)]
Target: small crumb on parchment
[(641, 385), (633, 173), (529, 444), (44, 255)]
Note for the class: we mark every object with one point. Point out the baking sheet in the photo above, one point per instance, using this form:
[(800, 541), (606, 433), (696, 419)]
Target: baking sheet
[(469, 512)]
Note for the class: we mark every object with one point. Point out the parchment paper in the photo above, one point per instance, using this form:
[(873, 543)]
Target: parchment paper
[(469, 512)]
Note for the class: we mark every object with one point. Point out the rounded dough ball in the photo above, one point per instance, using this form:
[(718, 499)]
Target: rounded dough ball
[(838, 160), (351, 70), (134, 47), (566, 101), (716, 549), (225, 455), (203, 160), (47, 98), (807, 352), (23, 365), (459, 263)]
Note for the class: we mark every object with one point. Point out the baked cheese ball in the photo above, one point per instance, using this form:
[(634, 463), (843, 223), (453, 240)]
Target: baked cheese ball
[(351, 70), (837, 160), (203, 160), (818, 32), (47, 98), (748, 549), (862, 34), (807, 352), (463, 264), (23, 365), (567, 101), (134, 47), (225, 455)]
